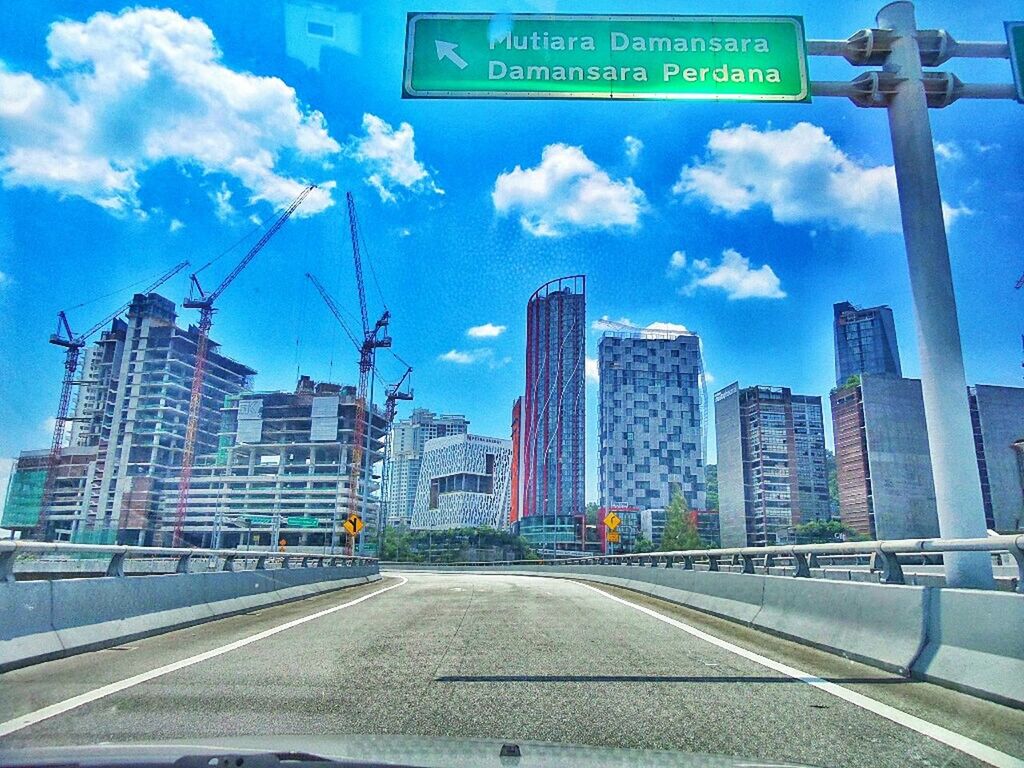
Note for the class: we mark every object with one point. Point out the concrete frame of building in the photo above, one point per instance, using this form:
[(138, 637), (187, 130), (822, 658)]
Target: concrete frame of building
[(283, 471)]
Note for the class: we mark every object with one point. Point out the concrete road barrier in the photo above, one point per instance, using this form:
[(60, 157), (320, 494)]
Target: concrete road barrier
[(880, 625), (32, 633), (976, 643), (42, 620)]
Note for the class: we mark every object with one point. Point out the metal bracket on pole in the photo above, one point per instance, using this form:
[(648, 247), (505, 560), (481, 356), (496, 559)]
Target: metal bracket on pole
[(184, 561), (712, 562), (116, 565), (229, 563), (748, 563), (876, 89), (7, 566), (871, 47), (801, 569), (687, 563), (892, 571)]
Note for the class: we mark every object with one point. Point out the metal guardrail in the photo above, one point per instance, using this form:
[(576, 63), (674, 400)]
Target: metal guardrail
[(10, 550), (884, 556)]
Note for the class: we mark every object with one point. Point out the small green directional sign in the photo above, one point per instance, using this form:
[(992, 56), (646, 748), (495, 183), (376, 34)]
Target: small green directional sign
[(558, 56), (1015, 37), (302, 522)]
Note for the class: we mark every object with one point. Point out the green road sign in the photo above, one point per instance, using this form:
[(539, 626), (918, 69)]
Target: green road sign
[(542, 56), (258, 519), (302, 522), (1015, 37)]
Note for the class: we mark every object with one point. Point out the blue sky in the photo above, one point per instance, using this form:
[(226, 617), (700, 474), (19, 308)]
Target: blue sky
[(129, 142)]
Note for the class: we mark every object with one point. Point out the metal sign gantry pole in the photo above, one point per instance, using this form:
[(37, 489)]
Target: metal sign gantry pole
[(906, 92)]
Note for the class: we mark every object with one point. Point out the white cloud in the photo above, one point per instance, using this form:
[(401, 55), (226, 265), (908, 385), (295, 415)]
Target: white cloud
[(799, 173), (677, 261), (465, 357), (144, 86), (735, 276), (485, 331), (951, 213), (660, 328), (567, 192), (389, 156), (948, 150), (605, 323), (256, 220), (222, 202), (709, 377), (591, 370), (175, 225), (404, 232), (634, 147)]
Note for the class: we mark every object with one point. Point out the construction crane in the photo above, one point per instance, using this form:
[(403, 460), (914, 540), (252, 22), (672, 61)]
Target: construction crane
[(372, 341), (393, 394), (367, 340), (204, 302), (73, 345)]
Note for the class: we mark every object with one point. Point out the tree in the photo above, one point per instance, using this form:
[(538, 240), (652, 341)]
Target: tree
[(592, 510), (711, 484), (821, 532), (642, 545), (833, 482), (680, 531)]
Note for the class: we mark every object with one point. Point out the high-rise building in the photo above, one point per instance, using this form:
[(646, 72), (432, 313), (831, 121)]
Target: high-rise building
[(463, 483), (883, 467), (282, 470), (650, 419), (883, 463), (997, 414), (134, 406), (408, 439), (812, 470), (865, 342), (770, 478), (552, 431)]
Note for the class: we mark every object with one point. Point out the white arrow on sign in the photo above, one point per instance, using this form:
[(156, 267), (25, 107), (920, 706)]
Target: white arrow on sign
[(447, 51)]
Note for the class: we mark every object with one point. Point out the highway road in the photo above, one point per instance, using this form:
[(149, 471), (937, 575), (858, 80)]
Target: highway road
[(512, 657)]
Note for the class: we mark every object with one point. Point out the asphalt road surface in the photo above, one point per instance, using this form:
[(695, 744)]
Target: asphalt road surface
[(510, 657)]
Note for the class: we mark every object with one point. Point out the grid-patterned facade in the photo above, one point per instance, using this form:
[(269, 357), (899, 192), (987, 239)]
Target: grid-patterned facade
[(408, 438), (865, 342), (762, 476), (552, 432), (650, 419), (464, 482)]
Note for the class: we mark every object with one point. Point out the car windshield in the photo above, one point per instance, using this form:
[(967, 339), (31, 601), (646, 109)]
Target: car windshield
[(418, 382)]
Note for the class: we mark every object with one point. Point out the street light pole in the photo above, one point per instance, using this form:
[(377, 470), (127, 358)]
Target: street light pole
[(943, 383)]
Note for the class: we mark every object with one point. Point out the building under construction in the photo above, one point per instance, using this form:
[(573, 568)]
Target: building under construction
[(281, 470), (128, 430)]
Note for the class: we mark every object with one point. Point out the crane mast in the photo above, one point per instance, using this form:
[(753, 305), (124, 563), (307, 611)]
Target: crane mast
[(73, 345), (372, 341), (204, 303)]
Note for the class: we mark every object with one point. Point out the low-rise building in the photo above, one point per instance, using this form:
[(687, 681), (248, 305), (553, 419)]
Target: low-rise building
[(464, 481)]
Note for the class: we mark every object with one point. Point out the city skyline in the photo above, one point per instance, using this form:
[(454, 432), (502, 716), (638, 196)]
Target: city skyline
[(754, 276)]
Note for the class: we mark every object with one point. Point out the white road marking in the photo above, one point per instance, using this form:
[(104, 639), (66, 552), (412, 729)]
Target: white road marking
[(937, 732), (24, 721)]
